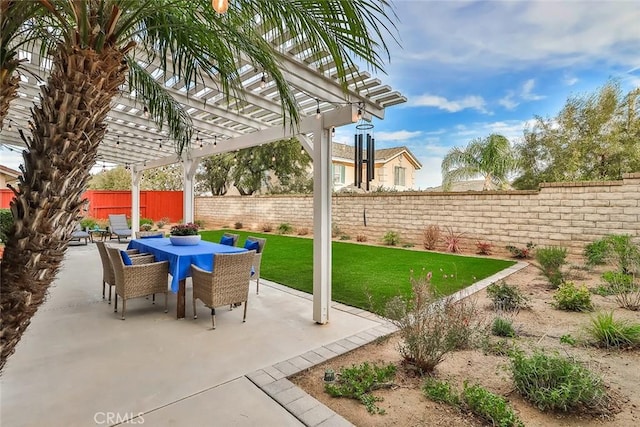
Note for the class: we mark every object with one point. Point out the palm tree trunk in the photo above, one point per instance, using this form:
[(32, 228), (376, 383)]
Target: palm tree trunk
[(8, 92), (67, 129)]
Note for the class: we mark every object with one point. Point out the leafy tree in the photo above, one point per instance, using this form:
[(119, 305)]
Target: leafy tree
[(96, 47), (214, 174), (161, 178), (594, 137), (491, 157)]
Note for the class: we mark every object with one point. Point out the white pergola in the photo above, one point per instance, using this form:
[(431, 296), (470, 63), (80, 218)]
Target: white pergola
[(252, 119)]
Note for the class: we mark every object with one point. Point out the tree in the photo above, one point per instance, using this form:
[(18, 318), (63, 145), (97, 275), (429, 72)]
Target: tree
[(165, 178), (491, 157), (594, 137), (96, 47), (214, 174), (285, 160)]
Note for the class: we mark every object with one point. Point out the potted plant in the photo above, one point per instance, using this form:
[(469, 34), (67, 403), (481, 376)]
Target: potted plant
[(184, 234)]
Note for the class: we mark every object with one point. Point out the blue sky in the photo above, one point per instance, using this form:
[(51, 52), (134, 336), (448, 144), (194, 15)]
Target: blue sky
[(473, 68), (470, 69)]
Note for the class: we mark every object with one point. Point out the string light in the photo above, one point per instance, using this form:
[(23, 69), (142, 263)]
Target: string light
[(215, 140), (160, 142), (263, 81), (333, 131), (220, 6), (9, 127), (118, 141), (318, 115), (273, 159), (145, 112)]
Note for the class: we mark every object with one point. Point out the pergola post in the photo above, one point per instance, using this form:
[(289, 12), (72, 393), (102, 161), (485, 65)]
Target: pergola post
[(189, 171), (321, 223), (136, 175)]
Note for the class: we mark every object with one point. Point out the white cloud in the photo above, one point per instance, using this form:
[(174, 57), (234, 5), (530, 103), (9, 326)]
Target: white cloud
[(570, 81), (400, 135), (508, 101), (527, 91), (453, 106)]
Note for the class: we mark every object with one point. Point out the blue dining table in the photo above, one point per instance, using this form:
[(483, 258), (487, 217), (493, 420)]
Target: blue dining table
[(180, 259)]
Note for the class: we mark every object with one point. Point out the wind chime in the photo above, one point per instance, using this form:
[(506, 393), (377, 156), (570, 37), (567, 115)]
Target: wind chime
[(364, 140)]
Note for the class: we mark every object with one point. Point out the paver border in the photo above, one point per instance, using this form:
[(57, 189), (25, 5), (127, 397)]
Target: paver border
[(273, 380)]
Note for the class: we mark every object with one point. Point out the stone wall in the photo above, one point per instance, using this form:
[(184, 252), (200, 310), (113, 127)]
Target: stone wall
[(564, 214)]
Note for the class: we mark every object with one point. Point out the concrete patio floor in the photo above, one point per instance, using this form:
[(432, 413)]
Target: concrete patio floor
[(78, 364)]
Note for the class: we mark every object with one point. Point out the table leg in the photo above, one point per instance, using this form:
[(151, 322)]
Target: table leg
[(181, 298)]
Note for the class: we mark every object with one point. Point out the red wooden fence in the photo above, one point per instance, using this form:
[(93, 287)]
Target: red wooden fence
[(153, 204)]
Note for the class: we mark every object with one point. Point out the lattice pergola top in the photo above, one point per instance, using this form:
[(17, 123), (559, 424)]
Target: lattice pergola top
[(134, 139)]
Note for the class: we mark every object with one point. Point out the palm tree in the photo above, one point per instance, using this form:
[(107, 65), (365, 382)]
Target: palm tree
[(491, 157), (96, 47)]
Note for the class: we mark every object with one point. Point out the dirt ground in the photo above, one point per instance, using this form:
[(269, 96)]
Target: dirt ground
[(540, 326)]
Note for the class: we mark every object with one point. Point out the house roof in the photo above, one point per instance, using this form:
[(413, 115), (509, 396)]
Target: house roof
[(383, 155), (9, 172)]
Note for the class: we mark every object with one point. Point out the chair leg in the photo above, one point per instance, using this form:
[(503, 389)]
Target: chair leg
[(153, 299), (258, 286), (244, 318), (110, 294), (195, 314), (103, 285), (115, 308), (213, 317), (124, 307), (166, 302)]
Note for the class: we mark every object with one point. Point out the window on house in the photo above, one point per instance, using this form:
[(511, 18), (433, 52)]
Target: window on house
[(338, 173), (398, 175)]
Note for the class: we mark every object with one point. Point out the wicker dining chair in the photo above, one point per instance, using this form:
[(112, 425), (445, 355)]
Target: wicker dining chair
[(226, 285), (257, 259), (108, 276), (138, 280), (226, 236)]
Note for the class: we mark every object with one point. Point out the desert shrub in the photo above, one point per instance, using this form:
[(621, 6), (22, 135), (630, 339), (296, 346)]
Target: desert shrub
[(568, 297), (146, 227), (430, 236), (358, 381), (489, 406), (238, 225), (595, 252), (440, 391), (551, 260), (483, 248), (568, 339), (163, 221), (391, 238), (617, 249), (144, 221), (452, 240), (361, 238), (284, 228), (502, 327), (430, 327), (556, 383), (522, 253), (506, 297), (335, 230), (629, 299), (303, 231), (497, 347), (266, 227), (345, 237), (608, 332), (87, 223), (615, 282)]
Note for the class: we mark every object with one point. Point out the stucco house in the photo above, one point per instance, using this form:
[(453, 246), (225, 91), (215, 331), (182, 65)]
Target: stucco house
[(8, 176), (395, 168)]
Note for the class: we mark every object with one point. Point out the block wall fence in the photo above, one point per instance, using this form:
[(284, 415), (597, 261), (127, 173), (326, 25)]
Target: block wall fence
[(560, 214)]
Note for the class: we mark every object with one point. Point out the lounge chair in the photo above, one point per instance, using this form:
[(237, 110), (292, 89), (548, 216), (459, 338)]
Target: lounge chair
[(226, 285), (79, 234), (118, 226)]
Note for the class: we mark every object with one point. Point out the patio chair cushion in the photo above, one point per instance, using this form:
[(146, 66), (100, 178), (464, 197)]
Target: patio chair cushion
[(226, 241), (251, 245), (125, 258)]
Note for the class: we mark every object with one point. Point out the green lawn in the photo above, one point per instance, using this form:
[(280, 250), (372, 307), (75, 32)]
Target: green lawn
[(359, 269)]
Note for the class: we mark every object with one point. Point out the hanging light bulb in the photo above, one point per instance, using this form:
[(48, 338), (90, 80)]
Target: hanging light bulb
[(198, 139), (359, 112), (145, 112), (220, 6), (273, 159), (263, 81), (118, 141), (215, 140), (160, 143), (103, 167), (301, 150), (333, 131), (318, 115), (10, 127)]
